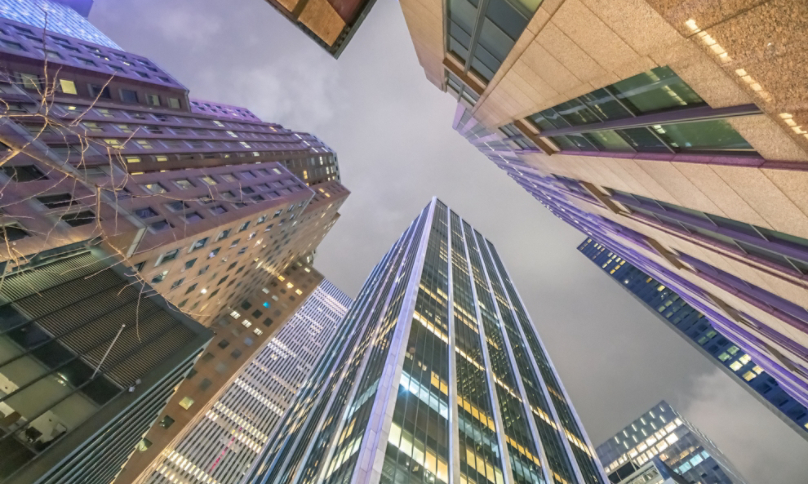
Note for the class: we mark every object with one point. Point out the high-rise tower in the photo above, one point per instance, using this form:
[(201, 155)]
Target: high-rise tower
[(212, 207), (661, 433), (696, 329), (436, 374), (222, 446), (665, 131)]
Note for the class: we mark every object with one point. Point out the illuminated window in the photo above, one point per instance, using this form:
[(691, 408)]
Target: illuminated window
[(186, 402)]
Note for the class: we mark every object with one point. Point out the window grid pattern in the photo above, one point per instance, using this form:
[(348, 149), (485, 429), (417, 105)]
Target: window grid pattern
[(418, 446), (223, 445), (479, 452), (697, 329), (522, 446), (588, 466)]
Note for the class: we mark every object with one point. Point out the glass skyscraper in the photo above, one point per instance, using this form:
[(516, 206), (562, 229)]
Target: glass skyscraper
[(62, 17), (436, 375), (222, 446), (661, 433), (696, 329)]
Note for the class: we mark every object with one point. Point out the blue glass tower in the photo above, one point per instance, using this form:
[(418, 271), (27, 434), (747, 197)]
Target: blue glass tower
[(696, 329)]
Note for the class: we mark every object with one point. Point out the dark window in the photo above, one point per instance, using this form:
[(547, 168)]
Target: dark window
[(256, 314), (177, 206), (160, 225), (221, 281), (192, 217), (12, 232), (218, 210), (145, 212), (268, 322), (166, 422), (224, 344), (170, 255), (205, 384), (56, 201), (190, 263), (191, 288), (101, 92), (208, 356), (23, 173), (191, 374), (245, 305), (128, 96), (236, 353), (78, 219)]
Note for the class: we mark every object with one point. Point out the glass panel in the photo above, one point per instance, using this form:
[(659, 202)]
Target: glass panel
[(576, 113), (581, 142), (507, 18), (461, 52), (765, 254), (480, 69), (554, 118), (711, 235), (703, 135), (605, 105), (563, 143), (21, 371), (656, 90), (541, 122), (495, 41), (774, 235), (642, 140), (33, 400), (459, 34), (101, 390), (52, 354), (463, 13), (608, 140)]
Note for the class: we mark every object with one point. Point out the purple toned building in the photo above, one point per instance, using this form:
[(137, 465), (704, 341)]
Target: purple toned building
[(699, 255), (216, 210)]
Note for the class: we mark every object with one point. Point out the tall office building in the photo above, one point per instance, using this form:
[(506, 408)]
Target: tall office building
[(210, 205), (653, 472), (88, 357), (696, 329), (663, 434), (435, 375), (665, 131), (65, 17), (330, 23), (222, 446)]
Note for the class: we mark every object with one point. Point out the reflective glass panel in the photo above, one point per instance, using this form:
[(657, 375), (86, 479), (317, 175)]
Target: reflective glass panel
[(713, 135), (656, 90)]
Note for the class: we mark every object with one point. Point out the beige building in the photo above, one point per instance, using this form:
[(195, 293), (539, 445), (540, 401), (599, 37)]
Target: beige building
[(675, 133)]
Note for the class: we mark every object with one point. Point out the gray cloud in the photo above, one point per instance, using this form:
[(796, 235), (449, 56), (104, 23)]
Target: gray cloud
[(392, 131)]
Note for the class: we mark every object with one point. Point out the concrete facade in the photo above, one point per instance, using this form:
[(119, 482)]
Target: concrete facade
[(723, 223)]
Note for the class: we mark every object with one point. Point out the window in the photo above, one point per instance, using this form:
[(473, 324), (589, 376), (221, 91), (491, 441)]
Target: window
[(67, 86), (160, 226), (235, 354), (154, 188), (166, 422), (268, 322), (172, 101), (218, 210), (223, 235), (177, 206), (23, 173), (57, 201), (98, 91), (152, 99), (258, 332), (204, 270), (221, 367), (213, 252), (177, 283), (190, 263), (143, 445), (205, 384), (12, 232), (183, 184), (228, 178), (128, 96), (169, 256), (78, 219), (186, 402), (223, 344), (199, 244), (244, 226), (191, 288), (208, 180), (159, 277)]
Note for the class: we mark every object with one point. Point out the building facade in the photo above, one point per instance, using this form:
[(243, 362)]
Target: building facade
[(682, 151), (222, 446), (696, 329), (661, 433), (211, 206), (87, 362), (329, 23), (436, 374), (65, 17)]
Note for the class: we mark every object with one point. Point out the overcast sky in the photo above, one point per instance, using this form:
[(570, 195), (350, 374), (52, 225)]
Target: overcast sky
[(392, 131)]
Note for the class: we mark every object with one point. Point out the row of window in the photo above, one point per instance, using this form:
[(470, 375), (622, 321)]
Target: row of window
[(96, 127)]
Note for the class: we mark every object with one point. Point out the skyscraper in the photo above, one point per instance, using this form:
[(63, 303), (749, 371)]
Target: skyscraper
[(696, 329), (436, 374), (664, 131), (66, 17), (88, 357), (210, 205), (223, 445), (330, 23), (664, 434)]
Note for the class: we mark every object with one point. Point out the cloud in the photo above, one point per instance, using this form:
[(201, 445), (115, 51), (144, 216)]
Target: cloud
[(760, 445)]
